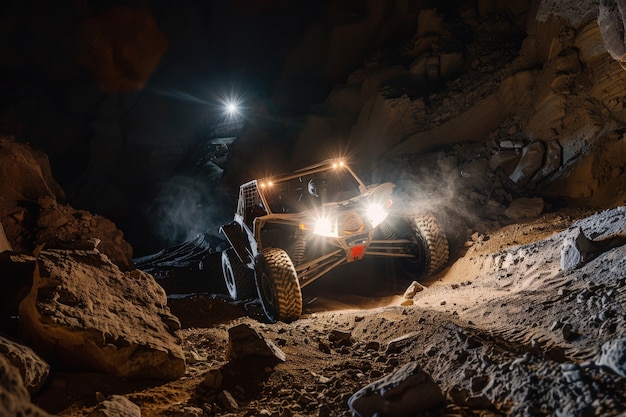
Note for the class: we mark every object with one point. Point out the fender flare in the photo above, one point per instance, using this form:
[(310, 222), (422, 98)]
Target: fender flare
[(238, 239)]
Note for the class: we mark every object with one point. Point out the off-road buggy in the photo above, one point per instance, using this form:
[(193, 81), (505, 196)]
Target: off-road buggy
[(290, 230)]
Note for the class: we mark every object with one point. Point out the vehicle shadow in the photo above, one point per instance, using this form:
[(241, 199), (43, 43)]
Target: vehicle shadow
[(367, 284)]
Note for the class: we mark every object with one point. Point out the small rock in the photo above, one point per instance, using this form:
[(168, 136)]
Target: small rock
[(337, 338), (412, 290), (530, 162), (568, 334), (194, 357), (324, 379), (478, 383), (188, 412), (511, 144), (213, 379), (116, 406), (478, 402), (463, 397), (227, 401), (408, 391), (523, 207), (501, 158), (576, 250), (571, 372), (399, 343), (244, 341), (613, 356)]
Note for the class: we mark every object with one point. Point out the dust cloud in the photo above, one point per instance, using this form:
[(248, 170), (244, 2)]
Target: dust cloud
[(187, 206), (458, 193)]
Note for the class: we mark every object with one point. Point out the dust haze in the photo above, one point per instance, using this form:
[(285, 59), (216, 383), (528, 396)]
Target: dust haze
[(185, 207), (457, 192)]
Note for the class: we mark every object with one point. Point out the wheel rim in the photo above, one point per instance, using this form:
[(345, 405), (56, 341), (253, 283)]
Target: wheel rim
[(417, 250), (229, 277), (417, 263), (267, 294)]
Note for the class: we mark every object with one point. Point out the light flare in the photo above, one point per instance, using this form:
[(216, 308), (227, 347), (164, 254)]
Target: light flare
[(324, 226), (376, 214), (232, 105)]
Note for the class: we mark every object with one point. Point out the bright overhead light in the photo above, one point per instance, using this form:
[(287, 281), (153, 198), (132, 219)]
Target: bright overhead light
[(232, 106), (232, 109)]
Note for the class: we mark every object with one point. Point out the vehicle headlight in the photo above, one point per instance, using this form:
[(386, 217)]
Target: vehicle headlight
[(324, 226), (376, 214)]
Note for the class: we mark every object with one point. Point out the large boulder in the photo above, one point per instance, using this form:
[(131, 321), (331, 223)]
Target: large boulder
[(84, 313)]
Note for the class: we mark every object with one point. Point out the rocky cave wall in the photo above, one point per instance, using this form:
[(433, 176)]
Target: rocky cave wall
[(537, 81), (551, 116)]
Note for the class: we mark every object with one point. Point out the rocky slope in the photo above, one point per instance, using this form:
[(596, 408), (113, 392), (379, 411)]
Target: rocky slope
[(512, 327)]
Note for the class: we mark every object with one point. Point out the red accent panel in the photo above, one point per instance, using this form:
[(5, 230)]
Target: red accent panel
[(357, 252)]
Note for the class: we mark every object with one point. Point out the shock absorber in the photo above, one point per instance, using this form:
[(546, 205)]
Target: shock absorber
[(387, 231), (298, 251)]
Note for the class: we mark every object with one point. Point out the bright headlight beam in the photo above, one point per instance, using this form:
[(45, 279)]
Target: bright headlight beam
[(324, 227), (376, 214)]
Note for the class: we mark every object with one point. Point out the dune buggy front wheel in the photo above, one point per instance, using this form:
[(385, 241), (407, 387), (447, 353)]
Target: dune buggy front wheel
[(432, 244), (278, 286), (428, 249)]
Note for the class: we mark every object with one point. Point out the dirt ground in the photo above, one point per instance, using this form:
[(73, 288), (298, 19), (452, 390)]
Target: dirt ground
[(502, 331)]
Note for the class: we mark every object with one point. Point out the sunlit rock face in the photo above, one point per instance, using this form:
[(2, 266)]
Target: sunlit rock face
[(559, 96), (587, 112), (415, 95), (84, 313)]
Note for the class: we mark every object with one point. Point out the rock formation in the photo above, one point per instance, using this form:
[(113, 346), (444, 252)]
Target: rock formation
[(69, 282)]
